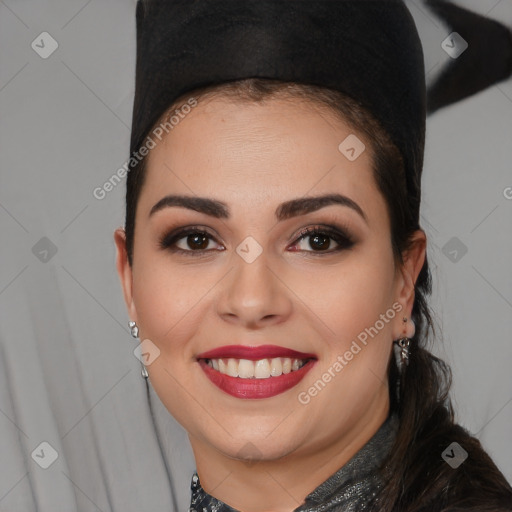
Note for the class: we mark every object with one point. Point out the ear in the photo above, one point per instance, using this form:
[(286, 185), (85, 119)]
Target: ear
[(413, 259), (125, 271)]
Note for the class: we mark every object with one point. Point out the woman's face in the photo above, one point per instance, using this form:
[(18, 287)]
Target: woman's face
[(334, 297)]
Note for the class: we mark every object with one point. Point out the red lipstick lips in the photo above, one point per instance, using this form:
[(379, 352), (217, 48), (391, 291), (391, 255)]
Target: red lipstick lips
[(251, 388), (253, 353)]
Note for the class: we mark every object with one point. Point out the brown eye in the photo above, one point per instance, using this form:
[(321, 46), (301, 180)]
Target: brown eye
[(197, 241), (320, 239), (191, 240)]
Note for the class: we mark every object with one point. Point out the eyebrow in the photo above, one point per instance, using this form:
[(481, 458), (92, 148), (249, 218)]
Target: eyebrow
[(286, 210)]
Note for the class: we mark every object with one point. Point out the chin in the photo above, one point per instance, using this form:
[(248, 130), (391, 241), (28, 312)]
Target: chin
[(261, 441), (257, 450)]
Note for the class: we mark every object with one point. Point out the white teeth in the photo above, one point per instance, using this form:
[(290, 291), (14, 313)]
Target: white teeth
[(261, 369), (276, 367), (245, 369), (232, 369)]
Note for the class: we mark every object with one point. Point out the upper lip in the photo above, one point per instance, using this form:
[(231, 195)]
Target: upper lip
[(253, 353)]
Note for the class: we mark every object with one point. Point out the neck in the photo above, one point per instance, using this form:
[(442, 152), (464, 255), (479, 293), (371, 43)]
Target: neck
[(281, 485)]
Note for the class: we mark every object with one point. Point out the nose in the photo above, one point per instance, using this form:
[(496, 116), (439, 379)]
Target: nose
[(254, 294)]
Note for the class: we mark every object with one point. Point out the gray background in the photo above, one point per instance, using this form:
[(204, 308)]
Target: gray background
[(68, 375)]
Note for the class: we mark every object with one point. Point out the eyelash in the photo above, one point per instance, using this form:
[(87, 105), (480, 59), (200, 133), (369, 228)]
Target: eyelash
[(340, 236)]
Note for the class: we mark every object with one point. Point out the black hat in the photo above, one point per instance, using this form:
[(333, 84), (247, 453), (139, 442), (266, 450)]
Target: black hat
[(368, 49)]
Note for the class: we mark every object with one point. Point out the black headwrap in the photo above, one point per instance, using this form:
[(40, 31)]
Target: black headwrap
[(367, 49)]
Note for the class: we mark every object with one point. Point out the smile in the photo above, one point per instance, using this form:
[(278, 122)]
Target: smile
[(245, 372), (261, 369)]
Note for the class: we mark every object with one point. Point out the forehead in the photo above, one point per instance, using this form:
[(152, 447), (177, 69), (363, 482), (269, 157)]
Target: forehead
[(257, 155)]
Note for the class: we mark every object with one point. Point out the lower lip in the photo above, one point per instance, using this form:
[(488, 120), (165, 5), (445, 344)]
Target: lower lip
[(256, 388)]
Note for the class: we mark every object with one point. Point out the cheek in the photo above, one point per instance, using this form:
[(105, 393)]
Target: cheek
[(349, 297), (356, 348), (168, 301), (356, 304)]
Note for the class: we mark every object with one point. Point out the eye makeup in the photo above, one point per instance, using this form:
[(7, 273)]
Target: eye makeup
[(201, 237)]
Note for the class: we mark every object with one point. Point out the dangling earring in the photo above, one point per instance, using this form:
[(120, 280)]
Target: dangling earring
[(403, 344), (134, 331)]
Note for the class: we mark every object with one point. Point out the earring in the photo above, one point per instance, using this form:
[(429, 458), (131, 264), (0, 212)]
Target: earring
[(403, 344), (134, 331)]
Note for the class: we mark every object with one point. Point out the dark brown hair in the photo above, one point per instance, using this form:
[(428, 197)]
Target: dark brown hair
[(416, 477)]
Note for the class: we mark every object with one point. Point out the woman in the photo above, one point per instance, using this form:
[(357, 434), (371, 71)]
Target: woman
[(273, 264)]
